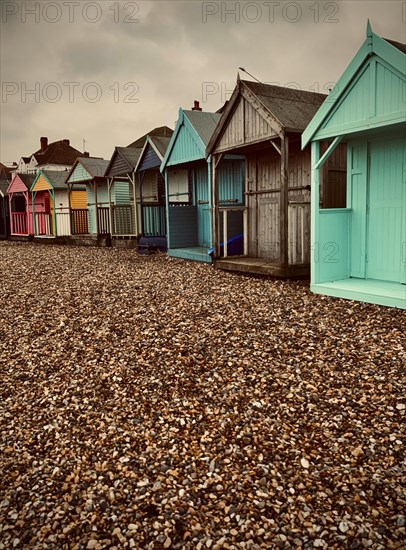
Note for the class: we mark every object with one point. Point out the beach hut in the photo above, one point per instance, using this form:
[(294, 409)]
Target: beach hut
[(123, 186), (264, 123), (151, 195), (4, 210), (50, 189), (20, 205), (188, 189), (358, 248), (122, 191), (95, 218)]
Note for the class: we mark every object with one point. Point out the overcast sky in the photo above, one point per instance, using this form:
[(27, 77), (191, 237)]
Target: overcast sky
[(107, 72)]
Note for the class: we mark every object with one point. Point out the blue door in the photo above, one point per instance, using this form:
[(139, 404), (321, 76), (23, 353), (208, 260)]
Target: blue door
[(386, 211)]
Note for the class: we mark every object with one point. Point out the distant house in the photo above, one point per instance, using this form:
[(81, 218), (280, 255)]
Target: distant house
[(89, 172), (55, 156), (123, 185), (151, 195), (264, 123), (50, 190), (359, 249), (188, 185)]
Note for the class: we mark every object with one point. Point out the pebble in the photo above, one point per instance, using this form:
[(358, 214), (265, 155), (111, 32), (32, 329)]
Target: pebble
[(152, 401)]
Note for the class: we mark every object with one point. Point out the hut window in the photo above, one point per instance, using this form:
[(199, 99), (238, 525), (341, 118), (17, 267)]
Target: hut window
[(333, 178), (150, 187), (178, 187)]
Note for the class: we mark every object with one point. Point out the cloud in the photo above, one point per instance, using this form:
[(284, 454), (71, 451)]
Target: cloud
[(178, 51)]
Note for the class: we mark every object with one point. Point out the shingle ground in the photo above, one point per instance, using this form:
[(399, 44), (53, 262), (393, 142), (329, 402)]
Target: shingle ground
[(147, 402)]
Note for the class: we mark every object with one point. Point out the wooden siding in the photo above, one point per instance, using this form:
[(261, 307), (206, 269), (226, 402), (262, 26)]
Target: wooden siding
[(17, 186), (182, 226), (233, 136), (119, 166), (121, 192), (390, 91), (357, 177), (386, 210), (264, 207), (92, 210), (255, 126), (299, 233), (79, 174), (186, 148), (149, 160), (245, 126), (78, 200), (203, 204), (42, 184), (231, 182), (375, 96), (62, 212)]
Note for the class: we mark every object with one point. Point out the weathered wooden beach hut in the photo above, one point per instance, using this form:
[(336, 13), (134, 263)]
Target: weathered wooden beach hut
[(50, 189), (95, 218), (264, 123), (151, 195), (20, 205), (188, 188), (359, 248)]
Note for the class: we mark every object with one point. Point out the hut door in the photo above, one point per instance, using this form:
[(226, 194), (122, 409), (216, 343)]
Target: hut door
[(203, 208), (386, 210)]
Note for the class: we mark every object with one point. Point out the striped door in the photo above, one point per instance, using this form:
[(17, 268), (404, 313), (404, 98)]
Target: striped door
[(386, 211), (203, 207)]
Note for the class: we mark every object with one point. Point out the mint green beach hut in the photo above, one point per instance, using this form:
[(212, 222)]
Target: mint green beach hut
[(359, 246)]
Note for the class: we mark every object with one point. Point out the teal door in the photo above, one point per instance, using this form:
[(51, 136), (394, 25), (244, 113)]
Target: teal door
[(386, 211), (203, 207)]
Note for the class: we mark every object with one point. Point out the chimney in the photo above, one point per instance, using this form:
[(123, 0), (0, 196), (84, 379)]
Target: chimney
[(66, 141), (44, 143), (196, 106)]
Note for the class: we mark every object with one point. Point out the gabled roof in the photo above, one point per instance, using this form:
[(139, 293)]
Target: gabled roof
[(26, 179), (289, 109), (162, 131), (398, 45), (390, 51), (293, 108), (58, 152), (129, 157), (55, 178), (94, 166), (159, 146), (200, 124)]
